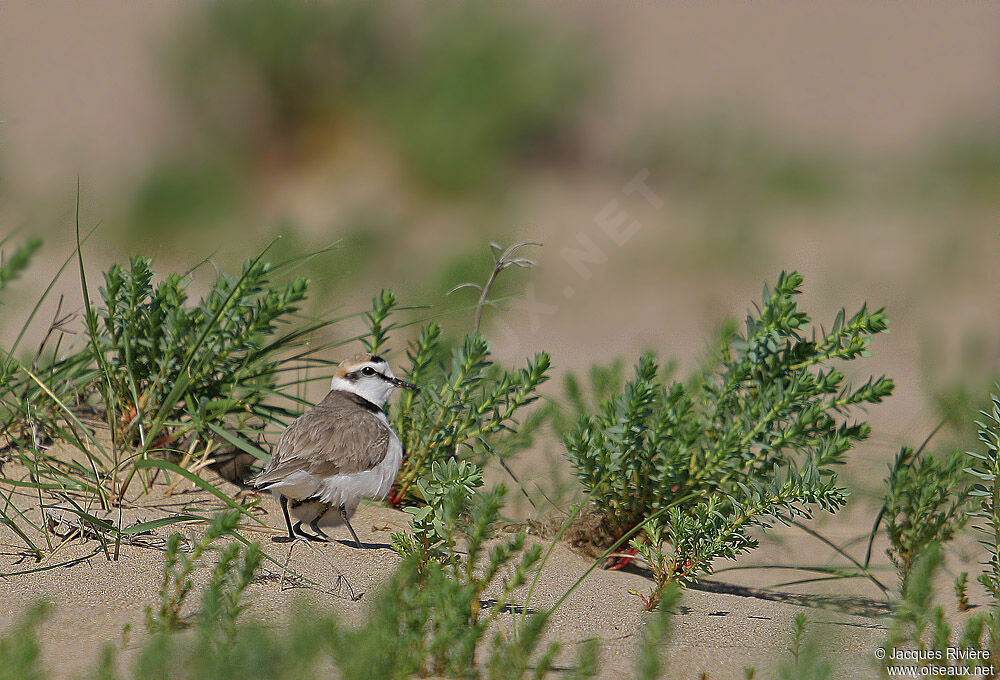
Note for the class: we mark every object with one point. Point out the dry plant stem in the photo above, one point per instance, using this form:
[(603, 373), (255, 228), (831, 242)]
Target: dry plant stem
[(341, 579), (184, 462), (38, 489), (865, 571)]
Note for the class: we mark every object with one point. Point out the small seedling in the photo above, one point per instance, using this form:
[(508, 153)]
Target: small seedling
[(962, 591), (926, 502)]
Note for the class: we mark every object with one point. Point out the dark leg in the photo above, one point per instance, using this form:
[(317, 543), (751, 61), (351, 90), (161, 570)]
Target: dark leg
[(299, 531), (343, 516), (288, 523), (314, 525)]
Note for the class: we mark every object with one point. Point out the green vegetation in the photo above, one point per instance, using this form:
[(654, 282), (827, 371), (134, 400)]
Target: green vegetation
[(926, 503), (985, 467), (221, 598), (447, 490), (920, 624), (176, 383), (686, 473), (752, 439), (739, 165), (20, 648), (465, 408), (11, 267), (168, 381), (176, 370), (464, 97), (186, 194)]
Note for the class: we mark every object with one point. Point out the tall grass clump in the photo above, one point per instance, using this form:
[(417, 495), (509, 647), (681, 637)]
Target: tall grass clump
[(466, 405), (753, 438)]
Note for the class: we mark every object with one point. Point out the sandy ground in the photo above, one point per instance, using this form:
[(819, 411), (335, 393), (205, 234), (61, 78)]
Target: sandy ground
[(81, 96), (722, 625)]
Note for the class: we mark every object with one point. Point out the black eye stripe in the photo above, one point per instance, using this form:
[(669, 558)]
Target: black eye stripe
[(357, 375)]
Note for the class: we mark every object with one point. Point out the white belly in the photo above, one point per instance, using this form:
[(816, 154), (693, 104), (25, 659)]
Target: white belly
[(339, 490)]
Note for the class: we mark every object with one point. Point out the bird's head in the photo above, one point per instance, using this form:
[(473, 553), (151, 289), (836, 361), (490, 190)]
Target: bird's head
[(368, 376)]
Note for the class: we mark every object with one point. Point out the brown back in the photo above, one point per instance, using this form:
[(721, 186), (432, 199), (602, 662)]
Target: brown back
[(340, 435)]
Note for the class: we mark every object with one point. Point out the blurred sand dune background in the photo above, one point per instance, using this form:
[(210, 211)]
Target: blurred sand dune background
[(857, 142)]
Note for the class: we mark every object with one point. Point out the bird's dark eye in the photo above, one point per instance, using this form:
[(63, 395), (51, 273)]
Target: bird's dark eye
[(368, 370)]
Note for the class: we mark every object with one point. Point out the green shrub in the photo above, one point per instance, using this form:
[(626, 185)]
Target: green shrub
[(186, 195), (752, 438), (481, 90), (168, 377), (175, 369), (462, 409)]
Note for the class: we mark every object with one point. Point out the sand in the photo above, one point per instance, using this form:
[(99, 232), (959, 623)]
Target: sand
[(721, 625)]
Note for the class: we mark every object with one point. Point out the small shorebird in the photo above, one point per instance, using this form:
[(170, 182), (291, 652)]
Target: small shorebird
[(339, 452)]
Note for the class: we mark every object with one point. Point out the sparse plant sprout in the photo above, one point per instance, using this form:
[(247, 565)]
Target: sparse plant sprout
[(503, 258), (221, 600), (377, 318), (806, 662), (798, 634), (926, 500), (655, 633), (753, 438), (447, 614)]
